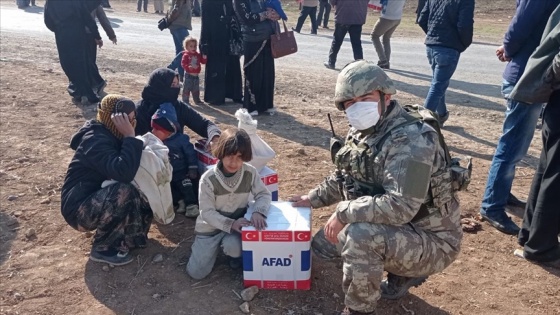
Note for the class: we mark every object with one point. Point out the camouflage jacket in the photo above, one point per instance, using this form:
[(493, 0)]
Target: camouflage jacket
[(407, 166)]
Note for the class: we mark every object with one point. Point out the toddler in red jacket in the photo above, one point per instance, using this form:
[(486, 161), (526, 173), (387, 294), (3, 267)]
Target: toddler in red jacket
[(191, 62)]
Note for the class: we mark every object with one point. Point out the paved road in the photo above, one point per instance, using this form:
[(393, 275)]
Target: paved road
[(478, 73)]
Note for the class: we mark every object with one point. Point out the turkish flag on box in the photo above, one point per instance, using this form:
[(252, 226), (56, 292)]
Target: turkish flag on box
[(279, 257)]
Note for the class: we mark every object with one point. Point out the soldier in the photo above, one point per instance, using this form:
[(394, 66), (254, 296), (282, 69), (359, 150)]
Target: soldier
[(397, 211)]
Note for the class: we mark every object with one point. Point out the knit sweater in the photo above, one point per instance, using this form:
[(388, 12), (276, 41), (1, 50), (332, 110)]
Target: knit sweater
[(222, 200)]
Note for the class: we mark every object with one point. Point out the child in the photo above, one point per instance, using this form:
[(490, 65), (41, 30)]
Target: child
[(223, 195), (277, 6), (182, 157), (191, 62)]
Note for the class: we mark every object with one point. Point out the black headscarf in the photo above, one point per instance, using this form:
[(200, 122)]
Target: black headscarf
[(158, 90)]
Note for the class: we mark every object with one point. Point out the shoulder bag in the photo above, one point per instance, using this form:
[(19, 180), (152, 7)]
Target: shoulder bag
[(283, 43)]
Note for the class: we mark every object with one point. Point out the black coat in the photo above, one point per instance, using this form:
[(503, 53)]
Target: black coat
[(157, 91), (77, 13), (448, 23), (222, 77), (99, 156)]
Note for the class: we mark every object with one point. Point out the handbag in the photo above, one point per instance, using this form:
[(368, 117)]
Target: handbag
[(162, 24), (283, 44)]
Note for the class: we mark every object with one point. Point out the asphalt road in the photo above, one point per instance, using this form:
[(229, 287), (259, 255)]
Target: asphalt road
[(478, 73)]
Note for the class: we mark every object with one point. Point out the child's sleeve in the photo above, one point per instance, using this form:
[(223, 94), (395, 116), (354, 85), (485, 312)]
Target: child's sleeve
[(190, 153), (207, 206), (185, 61), (203, 59), (262, 196)]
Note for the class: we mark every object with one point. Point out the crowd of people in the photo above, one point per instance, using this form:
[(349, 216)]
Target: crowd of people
[(395, 192)]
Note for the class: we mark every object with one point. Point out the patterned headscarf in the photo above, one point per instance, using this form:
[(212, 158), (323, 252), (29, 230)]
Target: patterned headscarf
[(112, 104)]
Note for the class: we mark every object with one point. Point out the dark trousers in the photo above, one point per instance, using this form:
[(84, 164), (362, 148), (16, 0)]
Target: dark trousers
[(145, 5), (326, 8), (305, 12), (105, 3), (72, 53), (195, 8), (185, 189), (94, 77), (541, 223), (340, 31)]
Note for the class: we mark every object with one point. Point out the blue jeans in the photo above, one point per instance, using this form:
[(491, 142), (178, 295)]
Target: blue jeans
[(179, 35), (518, 130), (444, 62)]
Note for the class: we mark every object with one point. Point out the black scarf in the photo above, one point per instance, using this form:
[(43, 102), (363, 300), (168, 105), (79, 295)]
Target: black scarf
[(158, 90)]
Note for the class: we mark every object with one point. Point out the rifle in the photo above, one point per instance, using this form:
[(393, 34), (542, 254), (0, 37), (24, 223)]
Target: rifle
[(335, 145)]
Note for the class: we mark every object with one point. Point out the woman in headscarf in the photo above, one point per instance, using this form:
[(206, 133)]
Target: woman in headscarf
[(163, 87), (257, 26), (222, 75), (107, 150)]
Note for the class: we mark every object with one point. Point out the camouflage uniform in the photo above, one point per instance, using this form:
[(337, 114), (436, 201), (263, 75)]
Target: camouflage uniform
[(403, 217)]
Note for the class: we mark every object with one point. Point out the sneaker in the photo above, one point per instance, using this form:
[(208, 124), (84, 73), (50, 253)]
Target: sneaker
[(349, 311), (181, 207), (521, 254), (501, 222), (443, 119), (198, 102), (235, 263), (516, 202), (112, 256), (328, 65), (90, 100), (254, 113), (395, 287), (384, 65), (325, 27), (192, 211), (293, 29), (271, 111)]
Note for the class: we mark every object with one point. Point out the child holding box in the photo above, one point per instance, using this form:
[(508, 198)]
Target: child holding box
[(223, 199)]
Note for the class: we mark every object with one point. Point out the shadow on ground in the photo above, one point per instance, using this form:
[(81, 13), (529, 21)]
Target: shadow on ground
[(8, 231)]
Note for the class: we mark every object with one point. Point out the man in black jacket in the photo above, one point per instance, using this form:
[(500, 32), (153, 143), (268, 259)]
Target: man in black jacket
[(448, 25), (68, 20)]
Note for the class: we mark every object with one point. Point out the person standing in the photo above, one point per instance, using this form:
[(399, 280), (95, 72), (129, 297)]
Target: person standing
[(308, 8), (390, 18), (68, 21), (349, 17), (140, 5), (222, 75), (196, 7), (256, 26), (448, 25), (179, 28), (520, 40), (158, 6), (386, 218), (324, 13), (540, 83)]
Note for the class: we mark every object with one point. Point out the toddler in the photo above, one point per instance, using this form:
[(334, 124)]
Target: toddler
[(182, 157), (223, 196), (191, 62), (277, 6)]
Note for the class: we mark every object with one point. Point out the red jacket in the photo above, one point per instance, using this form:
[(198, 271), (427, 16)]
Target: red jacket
[(191, 62)]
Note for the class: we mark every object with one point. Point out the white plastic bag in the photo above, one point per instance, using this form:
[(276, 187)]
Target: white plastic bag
[(262, 152)]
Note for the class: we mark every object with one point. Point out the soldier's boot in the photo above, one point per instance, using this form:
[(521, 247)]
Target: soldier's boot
[(395, 287), (349, 311), (323, 248)]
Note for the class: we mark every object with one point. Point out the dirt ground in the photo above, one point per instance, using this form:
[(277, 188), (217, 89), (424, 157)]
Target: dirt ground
[(44, 266)]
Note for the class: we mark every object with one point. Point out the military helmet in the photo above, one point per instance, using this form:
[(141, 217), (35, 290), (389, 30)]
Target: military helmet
[(359, 78)]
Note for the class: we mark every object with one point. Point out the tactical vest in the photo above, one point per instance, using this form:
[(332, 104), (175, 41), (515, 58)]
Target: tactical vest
[(356, 161)]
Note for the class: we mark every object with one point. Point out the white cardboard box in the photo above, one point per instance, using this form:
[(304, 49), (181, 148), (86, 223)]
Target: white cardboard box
[(279, 257)]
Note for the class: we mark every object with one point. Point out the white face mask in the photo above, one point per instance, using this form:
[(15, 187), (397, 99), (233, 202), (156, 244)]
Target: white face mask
[(363, 115)]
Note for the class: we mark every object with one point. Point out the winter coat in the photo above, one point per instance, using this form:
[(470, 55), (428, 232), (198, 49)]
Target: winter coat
[(539, 79), (524, 34), (448, 23), (61, 14), (350, 12), (182, 155), (157, 91), (99, 156), (185, 15)]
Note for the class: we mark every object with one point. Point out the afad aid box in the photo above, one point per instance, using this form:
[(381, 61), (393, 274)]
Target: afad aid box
[(280, 256)]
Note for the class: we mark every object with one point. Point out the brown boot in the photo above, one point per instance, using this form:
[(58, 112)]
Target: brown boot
[(196, 98)]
